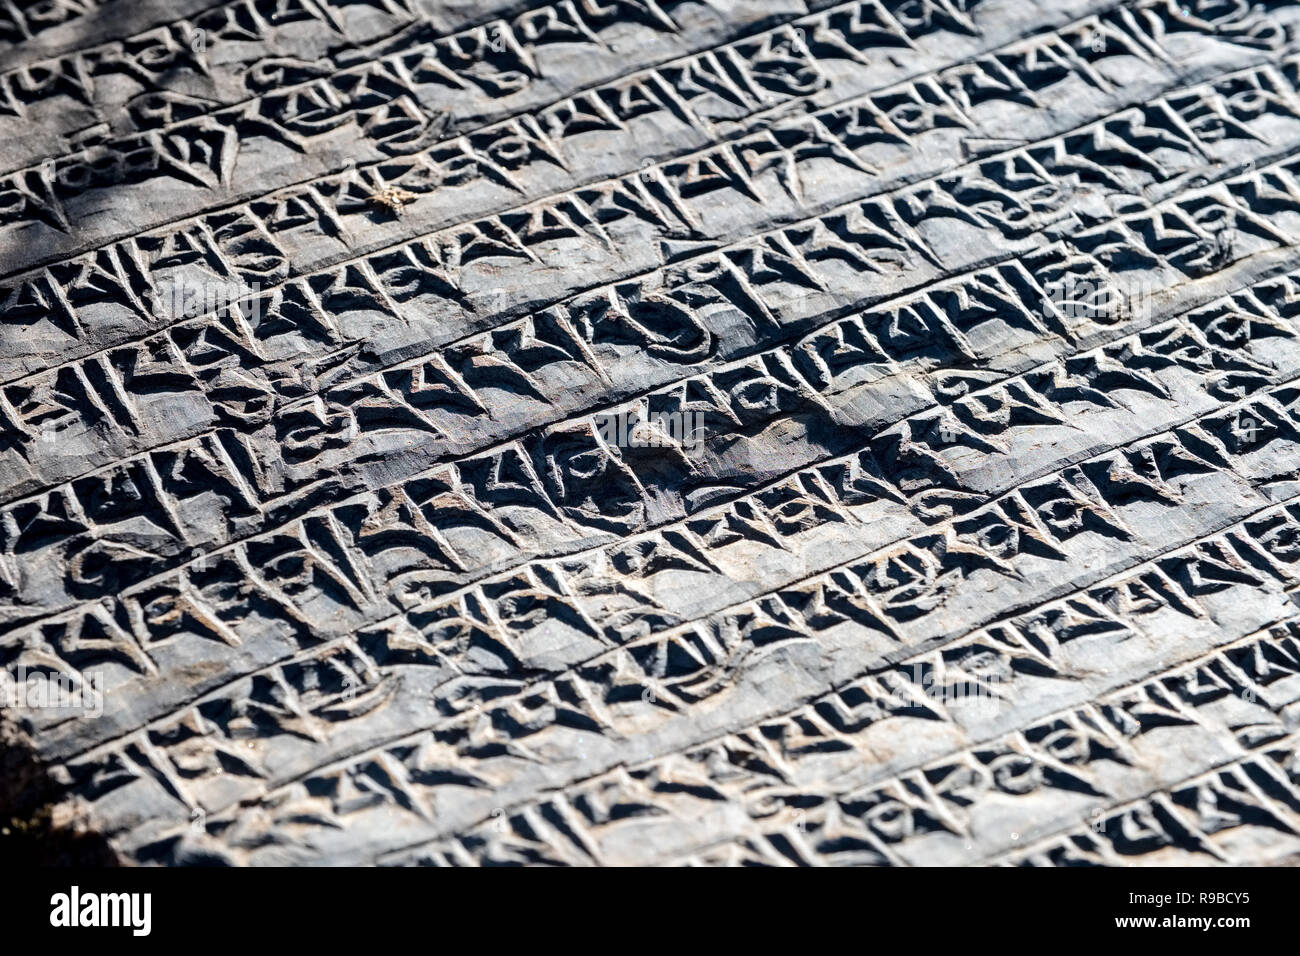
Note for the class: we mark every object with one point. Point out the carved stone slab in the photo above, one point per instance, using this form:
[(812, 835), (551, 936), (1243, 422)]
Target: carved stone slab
[(654, 431)]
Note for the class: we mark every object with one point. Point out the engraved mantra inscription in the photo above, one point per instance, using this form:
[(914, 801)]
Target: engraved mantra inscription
[(654, 431)]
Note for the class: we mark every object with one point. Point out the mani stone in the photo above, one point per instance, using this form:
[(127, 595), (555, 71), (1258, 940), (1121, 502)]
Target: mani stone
[(615, 432)]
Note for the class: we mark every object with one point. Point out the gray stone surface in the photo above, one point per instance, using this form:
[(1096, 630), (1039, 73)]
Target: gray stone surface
[(655, 431)]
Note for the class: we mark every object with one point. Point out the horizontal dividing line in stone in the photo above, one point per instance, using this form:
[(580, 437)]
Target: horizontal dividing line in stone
[(499, 444), (574, 295), (1116, 689), (394, 244), (712, 251), (358, 51), (1043, 842), (917, 650)]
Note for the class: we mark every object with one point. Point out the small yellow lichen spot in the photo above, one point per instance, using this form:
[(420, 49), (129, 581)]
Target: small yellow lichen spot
[(393, 197)]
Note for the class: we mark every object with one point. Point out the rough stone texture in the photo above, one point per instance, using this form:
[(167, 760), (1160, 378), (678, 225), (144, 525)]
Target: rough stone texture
[(656, 431)]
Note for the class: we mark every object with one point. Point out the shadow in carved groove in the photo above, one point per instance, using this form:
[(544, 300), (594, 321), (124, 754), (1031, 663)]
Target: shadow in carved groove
[(31, 832)]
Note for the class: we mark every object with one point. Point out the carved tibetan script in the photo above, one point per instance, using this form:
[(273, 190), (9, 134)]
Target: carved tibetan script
[(654, 431)]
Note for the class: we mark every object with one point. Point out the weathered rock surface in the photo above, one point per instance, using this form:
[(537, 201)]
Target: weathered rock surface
[(655, 431)]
